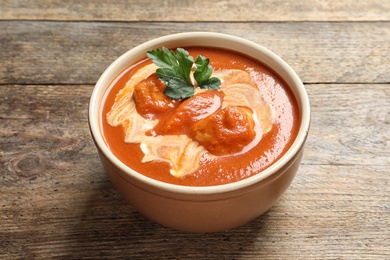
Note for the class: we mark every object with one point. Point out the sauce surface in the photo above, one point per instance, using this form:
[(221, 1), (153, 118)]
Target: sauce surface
[(218, 169)]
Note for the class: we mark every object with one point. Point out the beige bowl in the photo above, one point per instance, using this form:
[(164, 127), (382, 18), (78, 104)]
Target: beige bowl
[(202, 209)]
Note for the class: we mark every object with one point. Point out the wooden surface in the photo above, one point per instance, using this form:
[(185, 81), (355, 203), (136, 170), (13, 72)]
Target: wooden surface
[(57, 202)]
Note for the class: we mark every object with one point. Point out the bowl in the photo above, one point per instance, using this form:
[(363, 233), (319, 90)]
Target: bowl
[(208, 208)]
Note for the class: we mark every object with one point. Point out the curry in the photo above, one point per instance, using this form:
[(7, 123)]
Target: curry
[(215, 137)]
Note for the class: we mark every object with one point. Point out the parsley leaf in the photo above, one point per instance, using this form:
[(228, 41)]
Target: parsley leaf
[(203, 72), (175, 70)]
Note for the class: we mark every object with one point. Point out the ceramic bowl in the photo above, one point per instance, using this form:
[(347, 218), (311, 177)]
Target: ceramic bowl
[(202, 209)]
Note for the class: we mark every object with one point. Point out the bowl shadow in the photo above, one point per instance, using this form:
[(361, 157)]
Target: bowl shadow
[(108, 227)]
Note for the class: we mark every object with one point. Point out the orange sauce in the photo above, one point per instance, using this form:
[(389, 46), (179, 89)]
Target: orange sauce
[(224, 169)]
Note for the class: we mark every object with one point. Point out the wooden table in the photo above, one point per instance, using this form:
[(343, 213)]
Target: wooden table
[(56, 200)]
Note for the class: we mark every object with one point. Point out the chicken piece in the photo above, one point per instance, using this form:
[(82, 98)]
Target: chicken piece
[(124, 107), (240, 90), (191, 110), (149, 98), (227, 131)]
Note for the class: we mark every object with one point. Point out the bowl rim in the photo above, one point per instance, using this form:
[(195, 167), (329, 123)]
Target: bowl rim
[(139, 51)]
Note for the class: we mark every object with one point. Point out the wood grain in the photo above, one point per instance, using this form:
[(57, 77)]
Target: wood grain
[(201, 10), (78, 52), (56, 200), (350, 124)]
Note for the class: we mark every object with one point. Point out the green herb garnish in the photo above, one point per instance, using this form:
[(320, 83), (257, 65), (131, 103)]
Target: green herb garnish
[(175, 69)]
